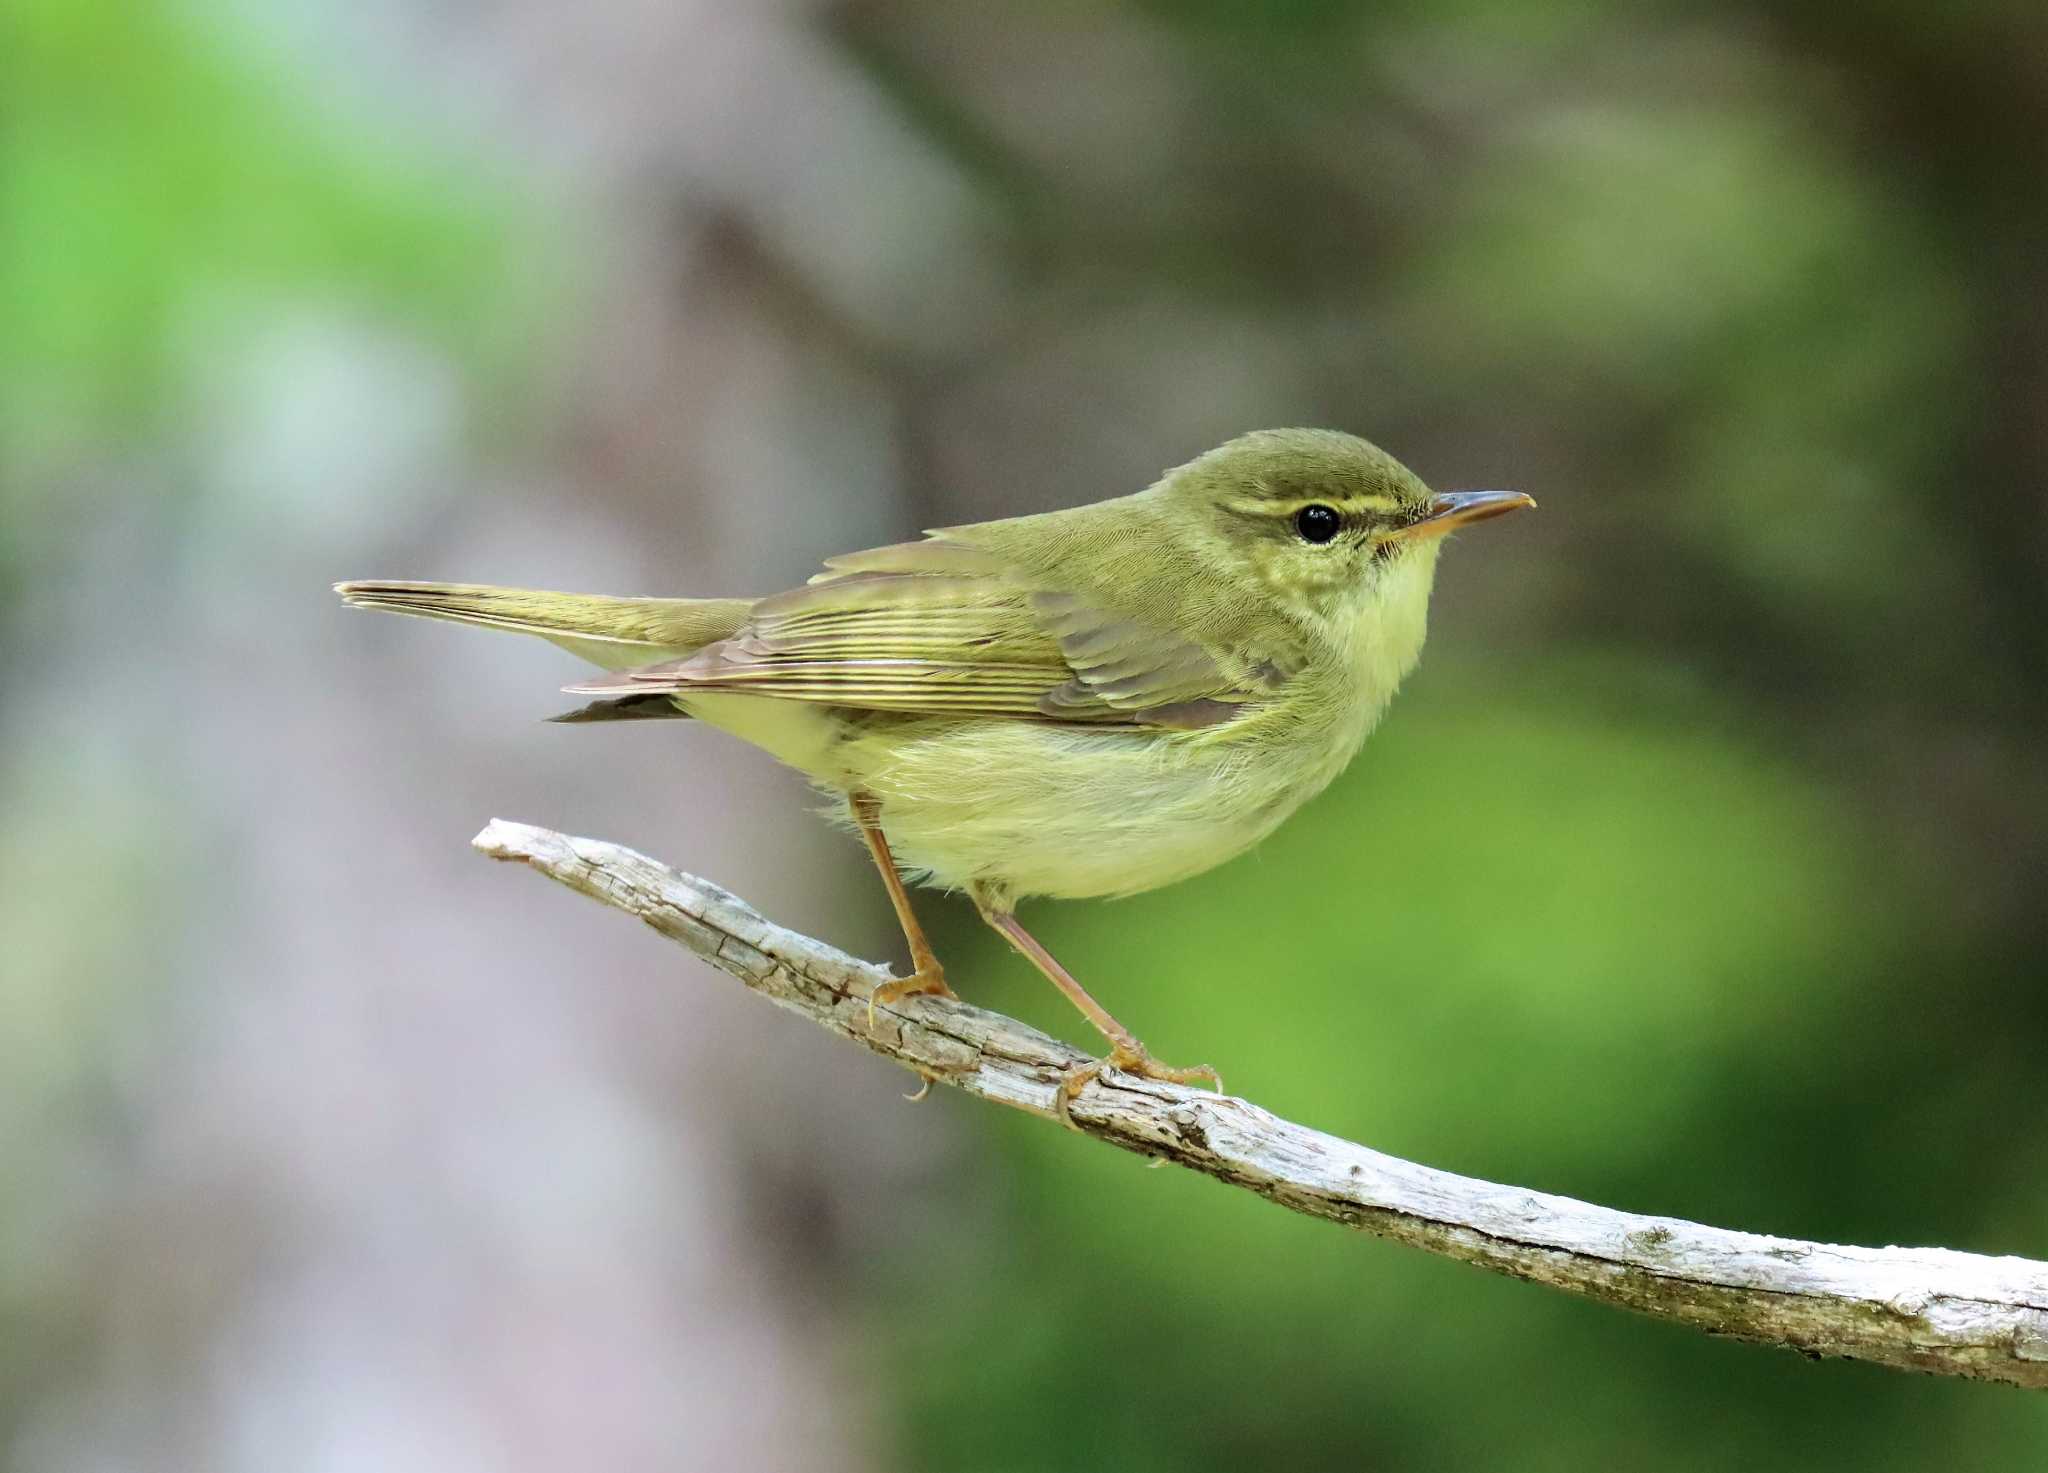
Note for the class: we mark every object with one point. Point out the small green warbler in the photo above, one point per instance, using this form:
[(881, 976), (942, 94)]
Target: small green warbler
[(1088, 702)]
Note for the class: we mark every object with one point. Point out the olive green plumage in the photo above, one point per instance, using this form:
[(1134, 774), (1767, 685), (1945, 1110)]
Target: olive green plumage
[(1086, 702)]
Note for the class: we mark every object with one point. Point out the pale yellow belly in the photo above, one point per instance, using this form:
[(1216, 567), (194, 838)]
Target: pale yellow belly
[(1029, 808), (1048, 810)]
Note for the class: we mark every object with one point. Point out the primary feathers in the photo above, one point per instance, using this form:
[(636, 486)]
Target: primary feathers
[(945, 628)]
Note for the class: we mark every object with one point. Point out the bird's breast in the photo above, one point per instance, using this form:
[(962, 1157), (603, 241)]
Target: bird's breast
[(1040, 808), (1073, 810)]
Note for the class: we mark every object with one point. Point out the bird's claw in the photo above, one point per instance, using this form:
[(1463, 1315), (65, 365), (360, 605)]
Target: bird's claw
[(1129, 1060), (926, 981)]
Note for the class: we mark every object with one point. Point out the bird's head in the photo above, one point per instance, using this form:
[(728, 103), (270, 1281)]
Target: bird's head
[(1325, 523)]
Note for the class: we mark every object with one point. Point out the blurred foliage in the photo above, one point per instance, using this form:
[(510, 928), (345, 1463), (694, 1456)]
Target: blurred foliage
[(154, 175), (159, 182), (1699, 871)]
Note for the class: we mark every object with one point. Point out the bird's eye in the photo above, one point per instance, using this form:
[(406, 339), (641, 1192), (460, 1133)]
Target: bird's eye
[(1317, 523)]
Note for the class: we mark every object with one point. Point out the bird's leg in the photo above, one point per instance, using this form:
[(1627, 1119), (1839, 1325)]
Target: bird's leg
[(926, 975), (1125, 1051)]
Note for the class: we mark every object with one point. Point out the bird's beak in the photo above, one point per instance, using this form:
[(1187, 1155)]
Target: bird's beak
[(1449, 510)]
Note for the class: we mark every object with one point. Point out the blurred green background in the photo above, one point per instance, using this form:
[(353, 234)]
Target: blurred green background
[(323, 1145)]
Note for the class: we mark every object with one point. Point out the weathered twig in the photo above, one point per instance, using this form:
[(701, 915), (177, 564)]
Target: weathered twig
[(1926, 1309)]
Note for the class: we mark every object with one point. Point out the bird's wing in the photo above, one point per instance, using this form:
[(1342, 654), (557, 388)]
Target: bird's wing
[(940, 628)]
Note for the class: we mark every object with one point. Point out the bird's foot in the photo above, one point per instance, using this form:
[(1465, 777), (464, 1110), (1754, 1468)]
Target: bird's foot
[(928, 980), (1132, 1058)]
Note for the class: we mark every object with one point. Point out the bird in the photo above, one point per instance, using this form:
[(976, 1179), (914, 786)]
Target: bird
[(1084, 703)]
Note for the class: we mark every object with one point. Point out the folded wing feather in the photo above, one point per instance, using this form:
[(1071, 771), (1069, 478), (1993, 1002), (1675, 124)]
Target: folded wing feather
[(939, 628)]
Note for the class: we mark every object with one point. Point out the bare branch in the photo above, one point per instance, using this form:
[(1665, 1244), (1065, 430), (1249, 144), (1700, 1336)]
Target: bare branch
[(1925, 1309)]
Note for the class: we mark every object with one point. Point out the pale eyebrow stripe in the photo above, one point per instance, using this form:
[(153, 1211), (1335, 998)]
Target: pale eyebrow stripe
[(1267, 506)]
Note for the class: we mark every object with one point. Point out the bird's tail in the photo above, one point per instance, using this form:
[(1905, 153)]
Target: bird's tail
[(616, 633)]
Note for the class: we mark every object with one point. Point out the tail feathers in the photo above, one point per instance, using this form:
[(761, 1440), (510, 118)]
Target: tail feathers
[(615, 633)]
